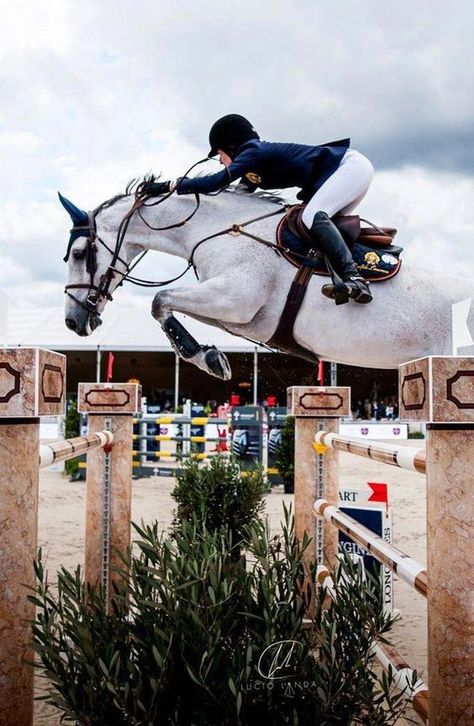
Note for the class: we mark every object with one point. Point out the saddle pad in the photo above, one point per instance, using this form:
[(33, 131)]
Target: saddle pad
[(374, 262)]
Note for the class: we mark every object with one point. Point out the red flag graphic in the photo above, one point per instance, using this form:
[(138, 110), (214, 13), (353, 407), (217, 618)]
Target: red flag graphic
[(320, 376), (380, 492), (110, 365)]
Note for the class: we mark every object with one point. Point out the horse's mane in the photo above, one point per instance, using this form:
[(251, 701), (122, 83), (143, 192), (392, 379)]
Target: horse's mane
[(129, 189), (239, 189)]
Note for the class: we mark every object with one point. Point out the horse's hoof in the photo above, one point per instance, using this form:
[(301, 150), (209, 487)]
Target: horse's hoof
[(218, 364)]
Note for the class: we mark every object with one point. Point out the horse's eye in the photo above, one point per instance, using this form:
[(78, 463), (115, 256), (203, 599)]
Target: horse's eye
[(79, 254)]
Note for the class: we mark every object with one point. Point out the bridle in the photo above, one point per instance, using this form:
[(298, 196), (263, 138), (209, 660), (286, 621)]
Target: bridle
[(101, 291), (95, 291)]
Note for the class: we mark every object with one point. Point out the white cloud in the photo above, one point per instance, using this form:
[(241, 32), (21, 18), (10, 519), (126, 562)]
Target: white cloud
[(432, 213), (32, 25), (10, 270), (96, 93)]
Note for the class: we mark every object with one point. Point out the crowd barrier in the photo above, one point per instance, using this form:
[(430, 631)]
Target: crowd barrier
[(188, 446)]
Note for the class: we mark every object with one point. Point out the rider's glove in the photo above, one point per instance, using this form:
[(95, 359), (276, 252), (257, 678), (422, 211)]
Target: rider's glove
[(155, 189)]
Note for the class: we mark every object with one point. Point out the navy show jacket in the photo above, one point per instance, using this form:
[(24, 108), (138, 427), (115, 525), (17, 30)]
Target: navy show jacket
[(270, 165)]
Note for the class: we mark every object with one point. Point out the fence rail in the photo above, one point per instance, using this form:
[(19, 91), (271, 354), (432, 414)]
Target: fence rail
[(66, 449), (405, 457), (404, 566)]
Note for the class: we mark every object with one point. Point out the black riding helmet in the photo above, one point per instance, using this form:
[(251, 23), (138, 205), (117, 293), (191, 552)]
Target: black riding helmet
[(229, 133)]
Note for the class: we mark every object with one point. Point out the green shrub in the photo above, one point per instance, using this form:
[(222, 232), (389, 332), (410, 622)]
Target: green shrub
[(220, 495), (416, 435), (71, 429), (285, 459), (192, 636)]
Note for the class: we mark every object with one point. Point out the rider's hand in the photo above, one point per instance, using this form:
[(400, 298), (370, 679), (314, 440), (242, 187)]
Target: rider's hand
[(155, 189)]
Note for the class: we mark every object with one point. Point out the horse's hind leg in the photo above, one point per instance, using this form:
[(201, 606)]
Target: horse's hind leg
[(208, 358)]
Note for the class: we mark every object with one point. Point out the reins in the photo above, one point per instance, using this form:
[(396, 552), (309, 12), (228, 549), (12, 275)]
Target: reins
[(102, 289), (235, 230)]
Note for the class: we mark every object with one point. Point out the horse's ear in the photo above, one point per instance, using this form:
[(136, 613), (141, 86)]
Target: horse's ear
[(78, 216)]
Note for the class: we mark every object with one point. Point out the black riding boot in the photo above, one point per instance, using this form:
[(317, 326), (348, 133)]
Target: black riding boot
[(329, 240)]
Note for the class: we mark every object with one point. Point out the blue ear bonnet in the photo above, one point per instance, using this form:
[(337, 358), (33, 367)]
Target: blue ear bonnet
[(79, 219)]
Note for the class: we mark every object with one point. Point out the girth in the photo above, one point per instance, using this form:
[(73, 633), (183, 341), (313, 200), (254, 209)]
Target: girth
[(283, 338)]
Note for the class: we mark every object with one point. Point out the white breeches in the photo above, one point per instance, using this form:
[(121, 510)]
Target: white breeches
[(344, 189)]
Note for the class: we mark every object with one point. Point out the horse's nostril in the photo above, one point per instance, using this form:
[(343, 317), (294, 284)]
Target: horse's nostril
[(71, 324)]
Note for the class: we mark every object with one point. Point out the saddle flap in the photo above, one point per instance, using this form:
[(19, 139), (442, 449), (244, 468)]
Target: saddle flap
[(348, 225), (295, 223), (376, 257), (374, 238), (377, 236), (351, 229)]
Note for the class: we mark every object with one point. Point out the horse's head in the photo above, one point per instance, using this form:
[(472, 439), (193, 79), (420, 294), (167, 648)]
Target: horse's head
[(94, 271)]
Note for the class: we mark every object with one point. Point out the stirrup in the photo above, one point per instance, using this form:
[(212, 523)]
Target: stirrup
[(359, 290), (339, 292)]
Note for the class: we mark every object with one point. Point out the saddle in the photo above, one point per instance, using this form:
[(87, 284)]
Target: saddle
[(372, 248), (377, 259)]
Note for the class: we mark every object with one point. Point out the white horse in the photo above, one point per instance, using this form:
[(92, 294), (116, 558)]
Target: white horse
[(243, 286)]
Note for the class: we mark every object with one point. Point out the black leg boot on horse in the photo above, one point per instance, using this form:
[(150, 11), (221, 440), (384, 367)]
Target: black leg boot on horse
[(346, 280)]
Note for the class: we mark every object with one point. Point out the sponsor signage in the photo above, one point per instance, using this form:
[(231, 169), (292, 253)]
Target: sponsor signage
[(246, 415), (372, 492), (378, 518), (369, 430)]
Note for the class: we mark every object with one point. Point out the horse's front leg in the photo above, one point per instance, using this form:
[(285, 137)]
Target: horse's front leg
[(200, 300)]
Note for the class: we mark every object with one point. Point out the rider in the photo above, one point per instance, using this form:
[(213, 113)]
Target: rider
[(332, 178)]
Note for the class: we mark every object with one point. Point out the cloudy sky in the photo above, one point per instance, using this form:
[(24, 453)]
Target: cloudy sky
[(95, 92)]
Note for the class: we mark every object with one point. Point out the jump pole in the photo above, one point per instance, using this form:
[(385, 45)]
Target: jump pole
[(109, 406), (404, 566), (32, 384), (404, 457), (316, 408), (439, 390), (65, 449)]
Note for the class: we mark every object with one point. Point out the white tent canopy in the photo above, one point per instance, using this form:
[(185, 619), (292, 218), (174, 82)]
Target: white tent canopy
[(123, 328)]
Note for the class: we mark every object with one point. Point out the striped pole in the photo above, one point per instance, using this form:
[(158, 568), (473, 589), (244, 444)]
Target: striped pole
[(405, 457), (388, 657), (173, 455), (70, 448), (178, 419), (404, 566), (165, 437)]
